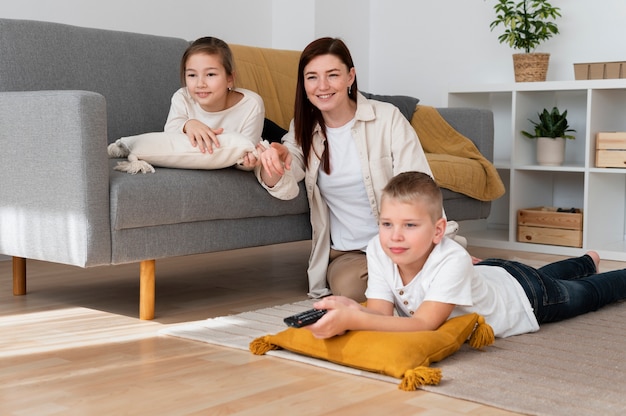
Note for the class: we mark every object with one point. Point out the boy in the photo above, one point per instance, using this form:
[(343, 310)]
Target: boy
[(428, 278)]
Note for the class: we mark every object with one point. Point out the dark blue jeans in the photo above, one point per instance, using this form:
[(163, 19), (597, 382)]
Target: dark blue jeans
[(565, 288)]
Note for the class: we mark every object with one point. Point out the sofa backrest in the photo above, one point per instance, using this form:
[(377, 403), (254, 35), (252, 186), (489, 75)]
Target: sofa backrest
[(272, 73), (137, 74)]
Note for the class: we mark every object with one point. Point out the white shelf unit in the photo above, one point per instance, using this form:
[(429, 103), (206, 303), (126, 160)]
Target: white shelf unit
[(592, 106)]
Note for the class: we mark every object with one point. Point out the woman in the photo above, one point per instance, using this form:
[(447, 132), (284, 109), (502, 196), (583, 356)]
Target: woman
[(346, 148)]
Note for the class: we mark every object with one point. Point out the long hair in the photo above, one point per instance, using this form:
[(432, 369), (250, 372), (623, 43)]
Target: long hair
[(210, 46), (306, 114)]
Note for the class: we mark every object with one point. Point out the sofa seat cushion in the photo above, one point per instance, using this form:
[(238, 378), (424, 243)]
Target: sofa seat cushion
[(174, 196)]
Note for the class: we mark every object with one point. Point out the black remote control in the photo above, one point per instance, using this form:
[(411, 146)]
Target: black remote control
[(304, 318)]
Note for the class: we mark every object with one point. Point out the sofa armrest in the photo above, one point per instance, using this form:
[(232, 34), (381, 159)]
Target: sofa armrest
[(475, 124), (54, 177)]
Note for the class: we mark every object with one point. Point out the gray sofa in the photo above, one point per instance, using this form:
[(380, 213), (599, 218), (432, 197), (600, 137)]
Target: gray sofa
[(65, 93)]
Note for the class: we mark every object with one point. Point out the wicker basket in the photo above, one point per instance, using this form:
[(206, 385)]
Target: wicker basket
[(530, 67)]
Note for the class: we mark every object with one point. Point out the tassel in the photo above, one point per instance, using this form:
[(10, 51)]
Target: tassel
[(262, 345), (117, 149), (134, 166), (482, 335), (419, 376)]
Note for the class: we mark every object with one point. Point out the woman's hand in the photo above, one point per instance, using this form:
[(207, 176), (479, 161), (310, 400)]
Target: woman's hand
[(202, 136), (275, 159)]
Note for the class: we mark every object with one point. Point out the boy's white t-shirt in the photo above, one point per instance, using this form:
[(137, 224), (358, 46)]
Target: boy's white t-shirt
[(352, 223), (449, 276)]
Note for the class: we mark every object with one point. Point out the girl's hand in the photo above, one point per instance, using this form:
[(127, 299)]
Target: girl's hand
[(250, 161), (202, 136)]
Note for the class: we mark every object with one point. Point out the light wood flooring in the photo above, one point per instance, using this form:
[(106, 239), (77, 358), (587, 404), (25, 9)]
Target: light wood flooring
[(74, 345)]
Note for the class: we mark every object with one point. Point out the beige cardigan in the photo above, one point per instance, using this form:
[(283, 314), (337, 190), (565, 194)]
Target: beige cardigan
[(387, 145)]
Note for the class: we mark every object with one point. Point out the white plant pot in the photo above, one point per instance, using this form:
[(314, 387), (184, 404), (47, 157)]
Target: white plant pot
[(550, 152)]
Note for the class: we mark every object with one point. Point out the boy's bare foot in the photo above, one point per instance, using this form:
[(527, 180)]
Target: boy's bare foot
[(596, 259)]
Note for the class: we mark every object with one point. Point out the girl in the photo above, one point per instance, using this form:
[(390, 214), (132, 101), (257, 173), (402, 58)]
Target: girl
[(208, 104)]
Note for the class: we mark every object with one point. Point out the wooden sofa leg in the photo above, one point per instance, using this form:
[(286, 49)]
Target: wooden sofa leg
[(146, 289), (19, 276)]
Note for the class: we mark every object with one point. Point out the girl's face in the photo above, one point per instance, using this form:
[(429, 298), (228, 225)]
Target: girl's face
[(326, 82), (207, 81), (408, 235)]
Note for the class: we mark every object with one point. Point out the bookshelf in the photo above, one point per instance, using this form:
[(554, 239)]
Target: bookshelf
[(593, 106)]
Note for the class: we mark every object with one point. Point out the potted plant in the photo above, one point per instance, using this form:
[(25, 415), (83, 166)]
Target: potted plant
[(551, 132), (527, 24)]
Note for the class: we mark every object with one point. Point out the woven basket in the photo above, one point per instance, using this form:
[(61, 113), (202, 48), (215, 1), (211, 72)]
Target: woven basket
[(530, 67)]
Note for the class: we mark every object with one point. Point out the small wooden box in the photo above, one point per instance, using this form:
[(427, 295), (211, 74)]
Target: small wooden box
[(611, 149), (546, 225), (600, 70)]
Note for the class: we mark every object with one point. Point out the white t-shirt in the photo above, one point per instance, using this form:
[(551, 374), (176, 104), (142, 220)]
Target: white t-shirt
[(245, 117), (449, 276), (352, 223)]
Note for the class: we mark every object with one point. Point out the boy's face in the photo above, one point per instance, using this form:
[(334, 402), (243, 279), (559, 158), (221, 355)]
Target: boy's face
[(407, 233), (207, 81)]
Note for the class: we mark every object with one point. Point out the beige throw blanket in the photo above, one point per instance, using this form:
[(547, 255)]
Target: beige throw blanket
[(455, 161)]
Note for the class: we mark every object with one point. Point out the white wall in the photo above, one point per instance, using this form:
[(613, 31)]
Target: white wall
[(416, 47), (427, 47)]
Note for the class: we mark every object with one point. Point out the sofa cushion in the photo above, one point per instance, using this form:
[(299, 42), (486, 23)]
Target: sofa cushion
[(405, 104), (174, 196), (272, 132)]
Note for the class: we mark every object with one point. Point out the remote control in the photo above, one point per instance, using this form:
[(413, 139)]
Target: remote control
[(304, 318)]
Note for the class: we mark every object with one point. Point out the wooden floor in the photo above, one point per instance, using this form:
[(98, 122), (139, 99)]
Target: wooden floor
[(74, 345)]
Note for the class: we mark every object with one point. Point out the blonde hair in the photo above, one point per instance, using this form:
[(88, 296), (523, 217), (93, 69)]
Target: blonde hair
[(416, 188)]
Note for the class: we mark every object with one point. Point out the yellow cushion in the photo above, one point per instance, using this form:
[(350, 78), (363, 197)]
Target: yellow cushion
[(403, 355), (273, 74)]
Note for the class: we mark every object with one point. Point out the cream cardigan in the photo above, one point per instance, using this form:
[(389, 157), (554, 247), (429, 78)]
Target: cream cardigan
[(387, 145)]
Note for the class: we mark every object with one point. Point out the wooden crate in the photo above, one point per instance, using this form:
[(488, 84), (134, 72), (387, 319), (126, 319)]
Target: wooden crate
[(546, 225), (611, 149)]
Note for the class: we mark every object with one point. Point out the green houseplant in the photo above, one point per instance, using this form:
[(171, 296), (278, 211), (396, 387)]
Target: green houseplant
[(527, 23), (551, 131)]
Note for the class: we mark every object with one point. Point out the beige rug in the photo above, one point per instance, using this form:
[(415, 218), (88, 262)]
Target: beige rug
[(576, 367)]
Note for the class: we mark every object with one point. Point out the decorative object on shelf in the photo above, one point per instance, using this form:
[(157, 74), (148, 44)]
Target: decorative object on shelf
[(550, 225), (527, 24), (550, 132), (611, 149), (600, 70)]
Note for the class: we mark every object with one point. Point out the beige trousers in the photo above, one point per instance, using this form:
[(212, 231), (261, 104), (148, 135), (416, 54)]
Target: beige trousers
[(347, 274)]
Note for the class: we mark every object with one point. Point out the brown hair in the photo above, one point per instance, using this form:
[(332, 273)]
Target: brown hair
[(210, 46), (416, 187), (306, 114)]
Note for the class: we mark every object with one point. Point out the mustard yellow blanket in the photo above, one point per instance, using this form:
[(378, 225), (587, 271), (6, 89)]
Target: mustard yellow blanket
[(455, 161)]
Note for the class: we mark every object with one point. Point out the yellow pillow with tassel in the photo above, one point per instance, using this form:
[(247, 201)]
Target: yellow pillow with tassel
[(403, 355)]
